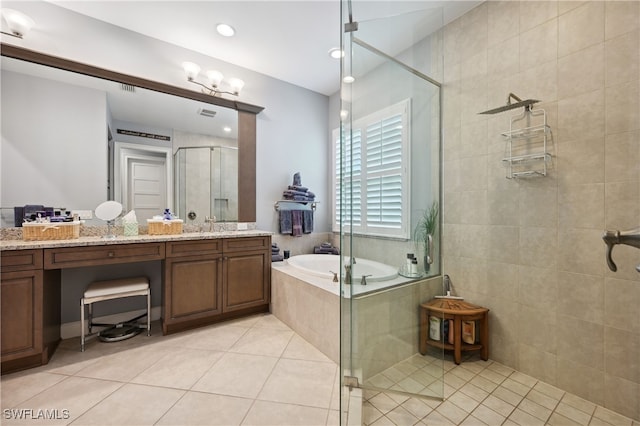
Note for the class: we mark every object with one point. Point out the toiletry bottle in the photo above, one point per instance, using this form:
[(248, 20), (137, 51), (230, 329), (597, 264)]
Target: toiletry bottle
[(409, 260), (414, 267)]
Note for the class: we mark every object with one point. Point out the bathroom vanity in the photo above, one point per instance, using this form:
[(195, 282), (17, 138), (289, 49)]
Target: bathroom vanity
[(206, 278)]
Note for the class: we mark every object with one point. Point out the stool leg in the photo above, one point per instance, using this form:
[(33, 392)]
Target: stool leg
[(82, 325), (424, 330), (90, 317), (149, 313), (457, 339), (484, 337)]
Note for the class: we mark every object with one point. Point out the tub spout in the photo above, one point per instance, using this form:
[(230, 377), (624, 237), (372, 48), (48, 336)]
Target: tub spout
[(611, 238), (347, 274), (335, 276)]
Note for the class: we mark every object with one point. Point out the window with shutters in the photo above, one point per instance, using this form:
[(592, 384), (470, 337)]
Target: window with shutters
[(375, 173)]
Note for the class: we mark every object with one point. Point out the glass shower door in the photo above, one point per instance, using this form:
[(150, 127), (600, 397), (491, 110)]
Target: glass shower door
[(389, 158)]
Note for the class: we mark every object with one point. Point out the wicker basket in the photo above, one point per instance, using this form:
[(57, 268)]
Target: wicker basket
[(50, 231), (164, 227)]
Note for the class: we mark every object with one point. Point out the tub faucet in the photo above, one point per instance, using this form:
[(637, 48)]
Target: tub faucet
[(363, 281), (611, 238), (347, 274)]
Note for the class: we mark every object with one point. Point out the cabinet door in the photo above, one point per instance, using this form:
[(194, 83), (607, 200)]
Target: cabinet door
[(193, 286), (21, 314), (247, 280)]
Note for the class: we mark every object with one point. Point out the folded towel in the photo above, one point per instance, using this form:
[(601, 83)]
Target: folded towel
[(274, 245), (298, 188), (275, 250), (326, 245), (320, 250), (277, 258), (286, 224), (296, 220), (307, 221)]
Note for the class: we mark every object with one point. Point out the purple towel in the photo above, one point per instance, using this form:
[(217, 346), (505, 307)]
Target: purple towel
[(296, 220), (286, 226)]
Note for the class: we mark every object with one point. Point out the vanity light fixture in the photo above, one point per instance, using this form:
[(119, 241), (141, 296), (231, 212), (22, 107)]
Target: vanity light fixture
[(18, 23), (215, 79)]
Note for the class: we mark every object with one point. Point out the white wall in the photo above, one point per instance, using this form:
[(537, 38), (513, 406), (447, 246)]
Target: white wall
[(292, 130), (43, 124)]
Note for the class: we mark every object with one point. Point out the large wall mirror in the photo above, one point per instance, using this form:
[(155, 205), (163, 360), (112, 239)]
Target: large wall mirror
[(74, 135)]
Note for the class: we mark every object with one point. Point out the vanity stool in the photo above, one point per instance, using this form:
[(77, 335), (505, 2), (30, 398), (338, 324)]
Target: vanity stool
[(100, 291)]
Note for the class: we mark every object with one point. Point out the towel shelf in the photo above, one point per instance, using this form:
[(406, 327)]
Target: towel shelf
[(276, 205)]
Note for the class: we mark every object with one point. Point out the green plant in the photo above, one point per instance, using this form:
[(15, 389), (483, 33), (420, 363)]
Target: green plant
[(427, 225)]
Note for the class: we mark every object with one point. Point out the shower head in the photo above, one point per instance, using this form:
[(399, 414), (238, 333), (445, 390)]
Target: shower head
[(509, 106)]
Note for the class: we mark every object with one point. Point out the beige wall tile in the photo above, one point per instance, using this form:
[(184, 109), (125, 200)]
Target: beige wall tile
[(538, 247), (581, 117), (504, 21), (622, 396), (503, 59), (580, 380), (580, 206), (622, 58), (581, 27), (621, 301), (567, 6), (622, 156), (473, 139), (504, 244), (538, 329), (621, 17), (540, 81), (626, 259), (581, 161), (575, 333), (580, 251), (538, 362), (623, 107), (622, 204), (538, 288), (474, 31), (502, 279), (539, 44), (533, 14), (538, 206), (503, 207), (619, 359), (587, 296), (581, 72), (474, 207)]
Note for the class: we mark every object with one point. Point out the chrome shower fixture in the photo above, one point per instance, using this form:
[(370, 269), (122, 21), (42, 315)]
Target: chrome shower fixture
[(509, 106), (611, 238)]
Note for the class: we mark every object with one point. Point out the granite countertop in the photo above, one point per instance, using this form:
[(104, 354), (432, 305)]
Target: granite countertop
[(96, 240)]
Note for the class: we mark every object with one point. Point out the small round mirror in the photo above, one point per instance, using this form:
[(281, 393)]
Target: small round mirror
[(108, 210)]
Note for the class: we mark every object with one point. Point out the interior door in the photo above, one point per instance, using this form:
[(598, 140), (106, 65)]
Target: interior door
[(145, 186)]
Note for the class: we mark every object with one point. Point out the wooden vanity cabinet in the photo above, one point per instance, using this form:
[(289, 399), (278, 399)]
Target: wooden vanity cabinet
[(207, 281), (247, 273), (30, 328)]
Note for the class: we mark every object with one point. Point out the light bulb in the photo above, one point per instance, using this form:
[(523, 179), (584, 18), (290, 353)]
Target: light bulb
[(236, 85), (192, 70), (215, 77)]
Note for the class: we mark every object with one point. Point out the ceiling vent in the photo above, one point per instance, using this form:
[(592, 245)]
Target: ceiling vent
[(127, 87), (207, 112)]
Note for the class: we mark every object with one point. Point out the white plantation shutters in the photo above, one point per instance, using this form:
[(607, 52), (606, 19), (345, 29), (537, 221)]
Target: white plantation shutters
[(376, 165)]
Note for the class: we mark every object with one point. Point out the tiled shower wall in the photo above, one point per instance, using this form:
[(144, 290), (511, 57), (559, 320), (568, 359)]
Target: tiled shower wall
[(531, 250)]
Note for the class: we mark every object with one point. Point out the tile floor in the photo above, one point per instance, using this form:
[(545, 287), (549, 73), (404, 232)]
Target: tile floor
[(257, 371)]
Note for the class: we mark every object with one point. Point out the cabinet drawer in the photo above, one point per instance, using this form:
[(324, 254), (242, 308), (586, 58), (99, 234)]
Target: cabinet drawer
[(190, 248), (73, 257), (247, 244), (21, 260)]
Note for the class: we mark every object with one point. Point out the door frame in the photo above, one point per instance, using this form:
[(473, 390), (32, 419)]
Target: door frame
[(123, 152)]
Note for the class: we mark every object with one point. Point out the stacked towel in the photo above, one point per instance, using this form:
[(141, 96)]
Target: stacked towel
[(326, 248), (275, 253), (297, 195)]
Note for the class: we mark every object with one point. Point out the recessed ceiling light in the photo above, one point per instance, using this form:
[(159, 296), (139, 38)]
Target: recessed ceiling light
[(336, 53), (349, 79), (226, 129), (225, 30)]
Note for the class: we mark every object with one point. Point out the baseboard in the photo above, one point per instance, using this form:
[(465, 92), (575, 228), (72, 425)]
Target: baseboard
[(72, 329)]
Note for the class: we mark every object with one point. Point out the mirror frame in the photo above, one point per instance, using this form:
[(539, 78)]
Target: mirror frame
[(246, 115)]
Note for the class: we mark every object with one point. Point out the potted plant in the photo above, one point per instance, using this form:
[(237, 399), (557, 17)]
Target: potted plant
[(425, 232)]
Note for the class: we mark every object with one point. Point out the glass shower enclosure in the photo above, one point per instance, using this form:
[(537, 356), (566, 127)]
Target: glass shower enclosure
[(389, 182), (206, 183)]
